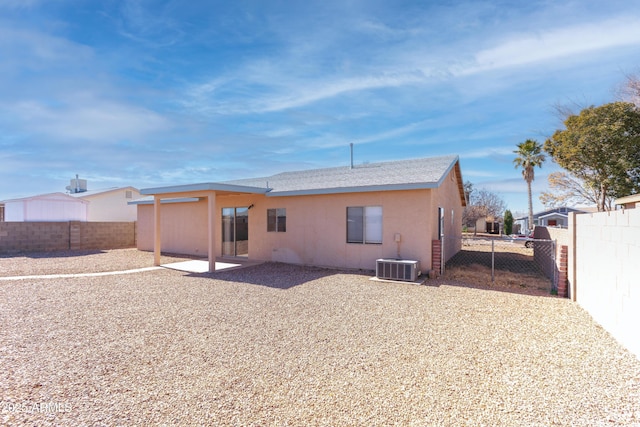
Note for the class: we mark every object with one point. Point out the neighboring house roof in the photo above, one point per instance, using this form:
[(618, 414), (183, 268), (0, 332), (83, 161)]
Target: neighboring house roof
[(561, 211), (90, 193), (48, 196), (554, 214), (411, 174), (627, 200)]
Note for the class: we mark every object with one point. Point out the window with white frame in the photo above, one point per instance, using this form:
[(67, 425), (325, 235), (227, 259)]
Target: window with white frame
[(364, 224), (277, 220)]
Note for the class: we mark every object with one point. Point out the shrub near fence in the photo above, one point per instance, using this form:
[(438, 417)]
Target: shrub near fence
[(72, 235)]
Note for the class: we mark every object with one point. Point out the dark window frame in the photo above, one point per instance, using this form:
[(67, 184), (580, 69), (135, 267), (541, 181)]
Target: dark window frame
[(360, 224), (277, 220)]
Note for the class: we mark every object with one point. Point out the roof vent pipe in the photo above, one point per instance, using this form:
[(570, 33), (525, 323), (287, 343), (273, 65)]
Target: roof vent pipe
[(77, 184), (351, 155)]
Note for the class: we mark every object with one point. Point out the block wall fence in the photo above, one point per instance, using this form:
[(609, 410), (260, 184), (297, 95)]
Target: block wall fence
[(599, 261), (16, 237), (604, 271)]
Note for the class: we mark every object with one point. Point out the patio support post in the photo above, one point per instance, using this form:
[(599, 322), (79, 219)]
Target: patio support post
[(157, 242), (211, 210)]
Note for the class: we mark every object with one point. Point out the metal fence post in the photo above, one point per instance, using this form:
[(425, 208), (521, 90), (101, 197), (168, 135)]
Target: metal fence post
[(554, 247), (493, 261)]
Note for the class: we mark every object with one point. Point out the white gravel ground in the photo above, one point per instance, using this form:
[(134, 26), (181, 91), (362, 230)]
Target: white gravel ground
[(277, 344)]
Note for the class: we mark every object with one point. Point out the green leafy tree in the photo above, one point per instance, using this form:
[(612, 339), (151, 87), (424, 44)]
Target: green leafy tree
[(601, 147), (529, 155), (508, 222)]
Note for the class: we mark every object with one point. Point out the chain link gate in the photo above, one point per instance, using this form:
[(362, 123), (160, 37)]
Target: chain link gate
[(504, 262)]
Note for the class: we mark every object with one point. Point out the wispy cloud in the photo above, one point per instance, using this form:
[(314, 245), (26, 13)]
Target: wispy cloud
[(19, 4), (293, 94), (481, 153), (279, 84), (163, 90), (148, 24), (38, 49), (523, 49), (93, 121)]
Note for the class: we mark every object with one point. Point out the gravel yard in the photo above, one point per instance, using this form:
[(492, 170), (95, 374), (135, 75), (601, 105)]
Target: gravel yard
[(69, 262), (276, 344)]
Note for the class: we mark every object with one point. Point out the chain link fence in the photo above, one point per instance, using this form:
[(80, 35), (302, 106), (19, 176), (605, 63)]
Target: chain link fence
[(504, 262)]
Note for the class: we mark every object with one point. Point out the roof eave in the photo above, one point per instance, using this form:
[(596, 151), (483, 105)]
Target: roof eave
[(205, 186), (359, 189), (165, 201)]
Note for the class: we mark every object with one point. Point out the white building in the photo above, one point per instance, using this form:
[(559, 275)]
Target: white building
[(46, 207), (106, 205), (110, 204)]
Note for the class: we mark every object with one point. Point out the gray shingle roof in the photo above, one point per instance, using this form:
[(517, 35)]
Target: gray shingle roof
[(393, 175), (411, 174)]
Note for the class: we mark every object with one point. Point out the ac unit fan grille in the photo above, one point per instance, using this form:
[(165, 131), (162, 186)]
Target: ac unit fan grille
[(404, 270)]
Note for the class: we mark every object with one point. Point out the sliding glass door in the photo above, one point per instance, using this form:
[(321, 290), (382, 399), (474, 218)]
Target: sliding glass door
[(235, 232)]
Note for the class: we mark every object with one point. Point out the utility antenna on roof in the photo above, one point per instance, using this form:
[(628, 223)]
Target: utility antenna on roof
[(351, 155)]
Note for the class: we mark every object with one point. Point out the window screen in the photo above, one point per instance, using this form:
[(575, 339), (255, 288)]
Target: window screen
[(277, 220), (364, 224)]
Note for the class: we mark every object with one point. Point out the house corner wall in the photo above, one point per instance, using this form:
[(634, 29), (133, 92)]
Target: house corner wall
[(447, 196)]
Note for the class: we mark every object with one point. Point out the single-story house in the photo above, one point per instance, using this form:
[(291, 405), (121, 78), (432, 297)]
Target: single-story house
[(45, 207), (344, 217), (556, 217), (629, 202), (110, 204)]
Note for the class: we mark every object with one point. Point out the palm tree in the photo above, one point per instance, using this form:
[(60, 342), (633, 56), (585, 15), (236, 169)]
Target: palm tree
[(529, 156)]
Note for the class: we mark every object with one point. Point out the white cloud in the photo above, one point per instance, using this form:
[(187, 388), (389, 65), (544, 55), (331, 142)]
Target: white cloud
[(287, 80), (22, 45), (557, 43), (93, 121), (287, 94), (482, 153)]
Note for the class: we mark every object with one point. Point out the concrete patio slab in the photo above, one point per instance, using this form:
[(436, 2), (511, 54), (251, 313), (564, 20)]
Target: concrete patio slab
[(202, 266)]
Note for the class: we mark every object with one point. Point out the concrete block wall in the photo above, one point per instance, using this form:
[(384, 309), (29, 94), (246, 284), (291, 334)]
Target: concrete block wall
[(18, 237), (33, 236), (104, 235), (604, 271)]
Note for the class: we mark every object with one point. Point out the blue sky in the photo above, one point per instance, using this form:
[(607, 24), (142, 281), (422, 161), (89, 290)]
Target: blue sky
[(150, 93)]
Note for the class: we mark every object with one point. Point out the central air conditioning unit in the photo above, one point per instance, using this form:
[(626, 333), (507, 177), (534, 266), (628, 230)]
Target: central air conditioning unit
[(397, 269)]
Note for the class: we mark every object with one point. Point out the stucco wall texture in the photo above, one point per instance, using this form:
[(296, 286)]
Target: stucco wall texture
[(316, 226)]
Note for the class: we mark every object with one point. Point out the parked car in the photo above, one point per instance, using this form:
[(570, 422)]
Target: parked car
[(526, 240)]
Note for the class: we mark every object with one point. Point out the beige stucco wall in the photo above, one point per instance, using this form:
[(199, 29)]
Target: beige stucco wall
[(184, 228), (447, 196), (316, 228)]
